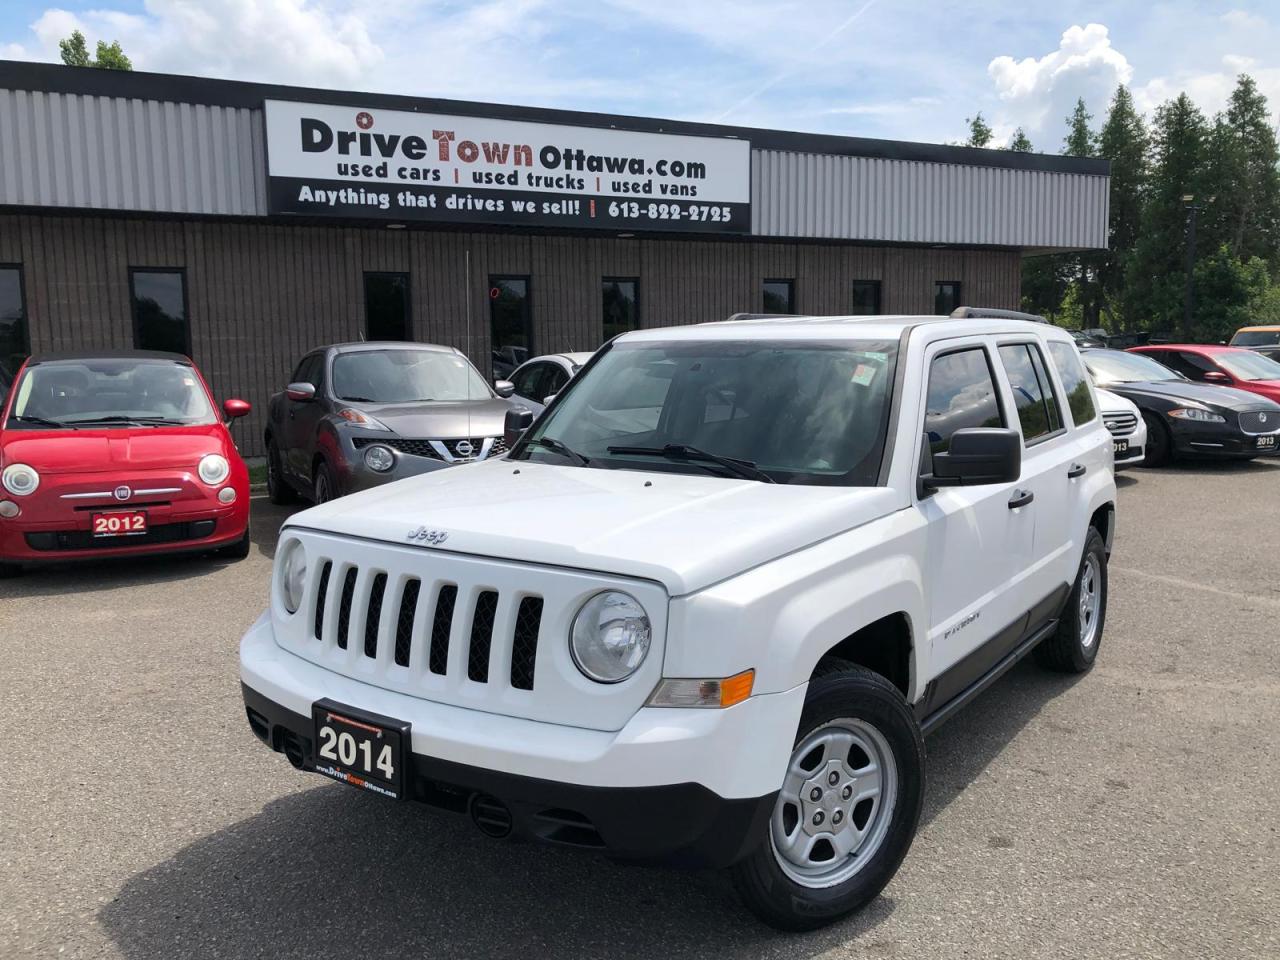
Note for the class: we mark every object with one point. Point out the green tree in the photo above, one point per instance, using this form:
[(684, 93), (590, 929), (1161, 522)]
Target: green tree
[(75, 53), (1225, 289), (1248, 182), (1123, 140), (980, 133), (1019, 143), (1155, 275), (1080, 141)]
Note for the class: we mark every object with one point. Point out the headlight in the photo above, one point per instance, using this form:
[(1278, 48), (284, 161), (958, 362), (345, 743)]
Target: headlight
[(1197, 414), (379, 458), (362, 419), (214, 469), (19, 479), (610, 637), (293, 575)]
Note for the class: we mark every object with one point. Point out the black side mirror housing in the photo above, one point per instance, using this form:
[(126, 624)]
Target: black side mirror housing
[(977, 455), (517, 421)]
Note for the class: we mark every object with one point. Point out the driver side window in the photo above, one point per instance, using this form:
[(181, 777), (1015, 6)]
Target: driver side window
[(962, 393), (528, 382)]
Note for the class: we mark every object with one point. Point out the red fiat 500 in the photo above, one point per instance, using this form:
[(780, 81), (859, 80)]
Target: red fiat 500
[(105, 454)]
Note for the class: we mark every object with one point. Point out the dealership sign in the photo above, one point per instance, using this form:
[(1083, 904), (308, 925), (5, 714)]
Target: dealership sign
[(355, 162)]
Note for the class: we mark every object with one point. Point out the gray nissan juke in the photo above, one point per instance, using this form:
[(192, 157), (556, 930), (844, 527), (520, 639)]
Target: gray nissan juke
[(356, 415)]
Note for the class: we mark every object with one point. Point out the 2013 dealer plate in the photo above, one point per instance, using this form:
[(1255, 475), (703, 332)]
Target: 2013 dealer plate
[(1120, 447), (362, 749), (1267, 443)]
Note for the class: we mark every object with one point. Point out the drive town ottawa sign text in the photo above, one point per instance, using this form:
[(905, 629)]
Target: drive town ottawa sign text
[(335, 161)]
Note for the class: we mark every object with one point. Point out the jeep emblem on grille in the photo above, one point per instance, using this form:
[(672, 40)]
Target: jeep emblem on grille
[(433, 537), (466, 449), (122, 492)]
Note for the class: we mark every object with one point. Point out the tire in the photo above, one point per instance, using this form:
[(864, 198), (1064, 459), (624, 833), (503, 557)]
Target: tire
[(278, 490), (10, 570), (236, 551), (1159, 444), (1073, 648), (854, 718), (323, 487)]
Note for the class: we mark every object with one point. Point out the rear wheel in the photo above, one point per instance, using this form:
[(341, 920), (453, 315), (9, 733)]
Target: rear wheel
[(1159, 443), (848, 808), (1074, 647), (278, 489)]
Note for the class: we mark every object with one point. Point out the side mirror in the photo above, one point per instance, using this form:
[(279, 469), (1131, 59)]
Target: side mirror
[(978, 455), (1216, 376), (546, 401), (301, 392), (504, 388), (233, 409), (517, 421)]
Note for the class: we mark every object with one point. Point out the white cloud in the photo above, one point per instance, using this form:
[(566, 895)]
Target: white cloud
[(1038, 92)]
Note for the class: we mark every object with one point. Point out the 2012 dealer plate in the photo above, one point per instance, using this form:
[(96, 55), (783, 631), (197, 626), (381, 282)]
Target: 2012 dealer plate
[(361, 749)]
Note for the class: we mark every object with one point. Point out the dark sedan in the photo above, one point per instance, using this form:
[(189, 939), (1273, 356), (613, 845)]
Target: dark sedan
[(1186, 419), (356, 415)]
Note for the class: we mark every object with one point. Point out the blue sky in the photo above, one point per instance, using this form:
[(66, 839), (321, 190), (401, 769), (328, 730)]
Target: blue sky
[(903, 69)]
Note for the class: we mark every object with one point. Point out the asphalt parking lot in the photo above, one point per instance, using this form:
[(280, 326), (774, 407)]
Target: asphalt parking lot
[(1131, 813)]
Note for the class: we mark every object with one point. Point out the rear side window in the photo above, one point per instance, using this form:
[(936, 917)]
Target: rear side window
[(962, 393), (1033, 395), (1074, 380)]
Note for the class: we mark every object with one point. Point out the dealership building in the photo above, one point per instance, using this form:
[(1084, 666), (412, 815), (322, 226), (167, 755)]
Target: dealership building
[(245, 223)]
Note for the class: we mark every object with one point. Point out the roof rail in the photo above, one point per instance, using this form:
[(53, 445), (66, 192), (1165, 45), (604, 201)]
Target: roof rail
[(992, 313), (761, 316)]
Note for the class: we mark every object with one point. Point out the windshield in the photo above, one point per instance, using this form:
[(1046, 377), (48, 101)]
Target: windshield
[(406, 376), (110, 392), (1256, 338), (1112, 366), (1249, 366), (799, 411)]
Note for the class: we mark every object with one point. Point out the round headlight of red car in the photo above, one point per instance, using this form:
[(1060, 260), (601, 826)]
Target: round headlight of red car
[(20, 479), (214, 469)]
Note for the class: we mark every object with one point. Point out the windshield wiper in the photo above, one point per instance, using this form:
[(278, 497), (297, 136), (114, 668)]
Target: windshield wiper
[(42, 421), (358, 400), (682, 451), (120, 418), (555, 446)]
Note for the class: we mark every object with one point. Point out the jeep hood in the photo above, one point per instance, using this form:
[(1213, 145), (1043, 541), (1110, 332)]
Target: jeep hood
[(681, 530)]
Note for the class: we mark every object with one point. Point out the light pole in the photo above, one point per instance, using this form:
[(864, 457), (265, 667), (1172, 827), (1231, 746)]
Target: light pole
[(1188, 201)]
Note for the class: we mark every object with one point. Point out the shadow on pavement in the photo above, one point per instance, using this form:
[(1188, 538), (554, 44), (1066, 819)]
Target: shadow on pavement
[(331, 872)]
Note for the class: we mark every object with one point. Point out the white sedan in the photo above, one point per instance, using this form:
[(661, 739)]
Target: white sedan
[(540, 379), (1128, 429)]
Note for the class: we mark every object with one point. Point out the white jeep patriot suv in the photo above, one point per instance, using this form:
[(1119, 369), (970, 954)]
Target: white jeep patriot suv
[(707, 606)]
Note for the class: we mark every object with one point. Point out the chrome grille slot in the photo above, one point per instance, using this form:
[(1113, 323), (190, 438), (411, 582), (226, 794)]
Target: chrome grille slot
[(481, 636), (374, 616), (1120, 424), (441, 625), (405, 620)]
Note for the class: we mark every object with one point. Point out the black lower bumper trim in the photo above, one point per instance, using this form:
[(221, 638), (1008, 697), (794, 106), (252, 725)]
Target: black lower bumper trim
[(684, 823)]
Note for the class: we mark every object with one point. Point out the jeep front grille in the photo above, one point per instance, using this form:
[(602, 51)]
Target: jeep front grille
[(369, 609), (1120, 424)]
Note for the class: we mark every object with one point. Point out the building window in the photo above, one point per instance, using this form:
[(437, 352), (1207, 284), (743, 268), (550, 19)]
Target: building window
[(946, 297), (160, 310), (15, 337), (866, 297), (386, 306), (621, 305), (510, 324), (780, 296)]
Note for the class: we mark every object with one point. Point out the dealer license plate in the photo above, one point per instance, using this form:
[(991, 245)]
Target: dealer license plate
[(362, 749), (119, 523), (1120, 447), (1267, 443)]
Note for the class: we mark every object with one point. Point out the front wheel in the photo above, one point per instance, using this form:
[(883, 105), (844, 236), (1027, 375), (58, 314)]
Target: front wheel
[(848, 808), (1074, 645), (238, 550), (9, 570), (1159, 443)]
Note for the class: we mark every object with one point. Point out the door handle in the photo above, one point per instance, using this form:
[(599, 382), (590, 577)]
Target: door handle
[(1077, 470), (1020, 498)]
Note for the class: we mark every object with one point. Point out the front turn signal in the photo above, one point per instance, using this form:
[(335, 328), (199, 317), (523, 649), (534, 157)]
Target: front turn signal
[(723, 692)]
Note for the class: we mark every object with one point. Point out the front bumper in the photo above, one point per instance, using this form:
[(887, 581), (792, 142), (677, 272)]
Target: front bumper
[(1219, 440), (354, 475), (675, 785)]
